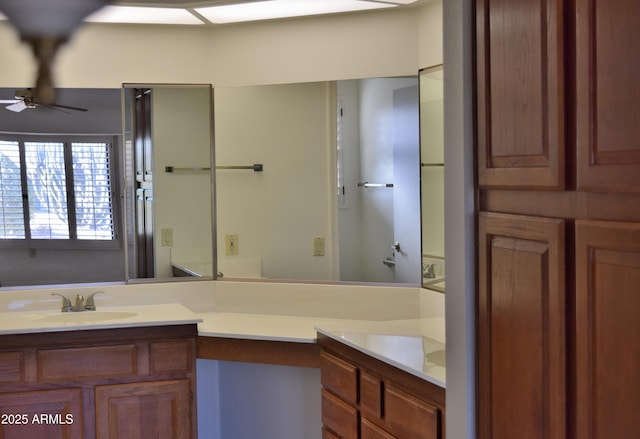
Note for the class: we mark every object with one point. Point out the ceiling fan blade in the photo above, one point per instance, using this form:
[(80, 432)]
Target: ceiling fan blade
[(9, 101), (17, 107)]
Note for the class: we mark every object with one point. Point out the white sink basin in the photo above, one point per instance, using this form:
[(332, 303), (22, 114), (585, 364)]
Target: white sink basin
[(85, 316)]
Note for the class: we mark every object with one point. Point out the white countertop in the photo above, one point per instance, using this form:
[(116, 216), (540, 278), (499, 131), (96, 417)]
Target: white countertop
[(26, 322), (418, 355), (403, 327), (413, 345)]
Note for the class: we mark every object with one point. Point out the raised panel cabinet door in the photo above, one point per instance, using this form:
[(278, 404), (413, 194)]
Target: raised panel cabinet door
[(51, 414), (521, 327), (520, 93), (160, 409), (608, 95), (607, 329)]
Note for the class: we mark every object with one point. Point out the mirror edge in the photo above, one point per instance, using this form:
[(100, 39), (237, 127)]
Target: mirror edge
[(128, 279), (423, 284)]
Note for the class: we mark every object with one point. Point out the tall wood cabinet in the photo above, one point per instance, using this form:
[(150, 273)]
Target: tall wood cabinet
[(558, 166)]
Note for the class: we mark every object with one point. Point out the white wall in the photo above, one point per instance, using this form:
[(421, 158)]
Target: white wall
[(181, 138), (460, 216), (344, 46), (277, 213)]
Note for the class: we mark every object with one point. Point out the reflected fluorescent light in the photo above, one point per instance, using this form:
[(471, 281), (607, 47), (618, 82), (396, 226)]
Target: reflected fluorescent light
[(271, 9), (143, 15), (398, 2)]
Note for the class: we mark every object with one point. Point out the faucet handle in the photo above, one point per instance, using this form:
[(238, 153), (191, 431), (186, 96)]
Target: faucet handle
[(66, 303), (90, 305)]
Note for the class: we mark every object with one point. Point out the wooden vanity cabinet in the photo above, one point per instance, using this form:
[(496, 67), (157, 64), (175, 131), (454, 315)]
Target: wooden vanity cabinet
[(112, 383), (364, 398)]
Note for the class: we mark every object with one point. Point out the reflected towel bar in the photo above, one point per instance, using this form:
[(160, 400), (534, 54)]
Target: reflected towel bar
[(367, 184), (257, 167), (431, 164)]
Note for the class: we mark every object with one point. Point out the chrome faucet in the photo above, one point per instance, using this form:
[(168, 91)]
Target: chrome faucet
[(80, 304)]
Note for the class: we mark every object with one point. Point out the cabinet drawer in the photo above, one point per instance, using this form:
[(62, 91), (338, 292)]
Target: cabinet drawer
[(339, 417), (339, 377), (11, 367), (171, 356), (73, 364), (371, 431), (409, 417)]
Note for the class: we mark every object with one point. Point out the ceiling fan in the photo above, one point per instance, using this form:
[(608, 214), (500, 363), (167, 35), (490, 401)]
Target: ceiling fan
[(25, 99)]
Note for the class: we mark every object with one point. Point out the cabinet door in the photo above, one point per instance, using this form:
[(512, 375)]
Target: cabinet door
[(520, 109), (607, 329), (51, 414), (159, 409), (521, 327), (607, 94)]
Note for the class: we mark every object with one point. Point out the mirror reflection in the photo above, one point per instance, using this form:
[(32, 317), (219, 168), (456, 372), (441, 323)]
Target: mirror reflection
[(338, 198), (432, 177), (168, 161), (68, 181), (60, 188), (315, 181)]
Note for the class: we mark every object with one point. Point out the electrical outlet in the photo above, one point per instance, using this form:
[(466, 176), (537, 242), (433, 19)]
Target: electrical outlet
[(166, 237), (231, 244), (318, 246)]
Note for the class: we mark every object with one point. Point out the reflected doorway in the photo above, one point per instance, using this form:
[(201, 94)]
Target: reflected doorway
[(378, 180)]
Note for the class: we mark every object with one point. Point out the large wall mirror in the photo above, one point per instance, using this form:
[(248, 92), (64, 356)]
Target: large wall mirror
[(314, 181), (337, 197), (86, 200)]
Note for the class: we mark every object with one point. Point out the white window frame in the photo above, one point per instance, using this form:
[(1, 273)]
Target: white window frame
[(73, 241)]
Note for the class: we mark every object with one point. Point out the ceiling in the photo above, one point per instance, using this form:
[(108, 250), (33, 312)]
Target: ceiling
[(198, 12)]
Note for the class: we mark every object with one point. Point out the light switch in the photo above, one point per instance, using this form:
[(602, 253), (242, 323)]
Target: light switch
[(231, 244), (318, 246)]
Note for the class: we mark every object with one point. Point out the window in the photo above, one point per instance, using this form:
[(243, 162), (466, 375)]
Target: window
[(56, 191)]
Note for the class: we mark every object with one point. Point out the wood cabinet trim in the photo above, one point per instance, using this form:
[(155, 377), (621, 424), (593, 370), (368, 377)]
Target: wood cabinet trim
[(97, 336), (563, 204), (259, 351)]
